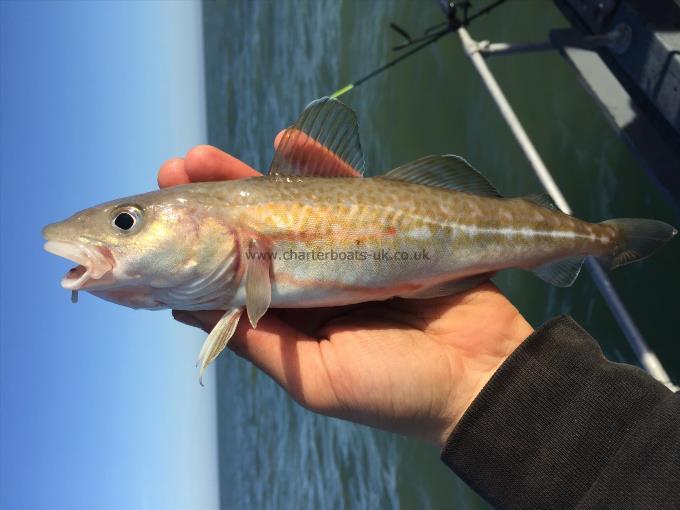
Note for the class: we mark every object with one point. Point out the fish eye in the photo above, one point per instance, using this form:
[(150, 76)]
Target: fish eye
[(126, 219)]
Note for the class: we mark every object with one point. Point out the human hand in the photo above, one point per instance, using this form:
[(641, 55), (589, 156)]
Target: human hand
[(407, 366)]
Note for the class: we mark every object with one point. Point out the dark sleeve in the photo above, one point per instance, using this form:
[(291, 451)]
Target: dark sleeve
[(560, 426)]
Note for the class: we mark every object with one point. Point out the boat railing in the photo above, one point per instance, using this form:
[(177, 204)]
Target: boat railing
[(476, 52)]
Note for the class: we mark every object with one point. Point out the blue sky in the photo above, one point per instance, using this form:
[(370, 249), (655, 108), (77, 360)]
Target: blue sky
[(100, 406)]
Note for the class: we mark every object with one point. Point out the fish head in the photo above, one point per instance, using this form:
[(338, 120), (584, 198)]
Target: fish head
[(127, 248)]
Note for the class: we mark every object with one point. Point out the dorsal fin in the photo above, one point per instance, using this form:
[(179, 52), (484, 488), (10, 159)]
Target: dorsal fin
[(323, 142), (542, 199), (447, 171)]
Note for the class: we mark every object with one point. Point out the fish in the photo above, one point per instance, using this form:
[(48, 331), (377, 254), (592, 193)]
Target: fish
[(314, 232)]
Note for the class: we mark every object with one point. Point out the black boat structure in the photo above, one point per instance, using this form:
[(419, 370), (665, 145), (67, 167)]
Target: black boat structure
[(626, 54)]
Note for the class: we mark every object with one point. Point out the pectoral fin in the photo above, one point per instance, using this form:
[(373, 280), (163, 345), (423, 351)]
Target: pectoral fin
[(258, 284), (217, 339)]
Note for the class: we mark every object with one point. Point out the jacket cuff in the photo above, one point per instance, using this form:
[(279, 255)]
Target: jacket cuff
[(549, 419)]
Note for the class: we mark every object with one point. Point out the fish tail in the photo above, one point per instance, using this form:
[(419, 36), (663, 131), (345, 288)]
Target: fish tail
[(636, 239)]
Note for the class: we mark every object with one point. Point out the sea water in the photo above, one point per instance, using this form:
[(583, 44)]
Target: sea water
[(264, 62)]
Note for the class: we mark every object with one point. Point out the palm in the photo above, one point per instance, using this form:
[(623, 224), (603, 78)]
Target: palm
[(407, 366)]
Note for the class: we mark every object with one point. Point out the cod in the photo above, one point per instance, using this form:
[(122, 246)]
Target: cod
[(315, 233)]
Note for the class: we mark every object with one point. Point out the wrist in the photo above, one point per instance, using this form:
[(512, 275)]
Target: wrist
[(477, 371)]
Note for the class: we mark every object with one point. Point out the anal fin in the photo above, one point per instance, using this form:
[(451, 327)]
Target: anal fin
[(561, 273), (449, 288)]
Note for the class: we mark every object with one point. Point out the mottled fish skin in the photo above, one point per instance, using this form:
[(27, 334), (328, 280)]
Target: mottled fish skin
[(315, 233), (459, 233)]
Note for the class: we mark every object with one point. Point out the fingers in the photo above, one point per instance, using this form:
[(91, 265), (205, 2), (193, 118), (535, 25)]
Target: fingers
[(290, 357), (287, 355), (203, 163), (172, 173), (313, 321), (277, 139), (207, 163)]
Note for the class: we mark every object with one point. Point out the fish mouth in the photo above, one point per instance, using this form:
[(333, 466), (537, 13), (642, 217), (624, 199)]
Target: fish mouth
[(94, 263)]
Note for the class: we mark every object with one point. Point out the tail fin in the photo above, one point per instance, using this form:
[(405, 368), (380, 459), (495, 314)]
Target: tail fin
[(638, 239)]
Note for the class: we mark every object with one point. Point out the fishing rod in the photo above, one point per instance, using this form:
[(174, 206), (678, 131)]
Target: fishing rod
[(453, 23)]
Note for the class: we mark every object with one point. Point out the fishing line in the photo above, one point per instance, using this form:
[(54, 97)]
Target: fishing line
[(452, 24)]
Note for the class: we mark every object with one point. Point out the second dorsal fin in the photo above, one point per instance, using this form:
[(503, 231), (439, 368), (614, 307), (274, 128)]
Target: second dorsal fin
[(447, 171), (542, 199), (323, 142)]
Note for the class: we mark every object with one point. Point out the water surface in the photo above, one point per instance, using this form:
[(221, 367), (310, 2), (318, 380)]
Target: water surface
[(264, 62)]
